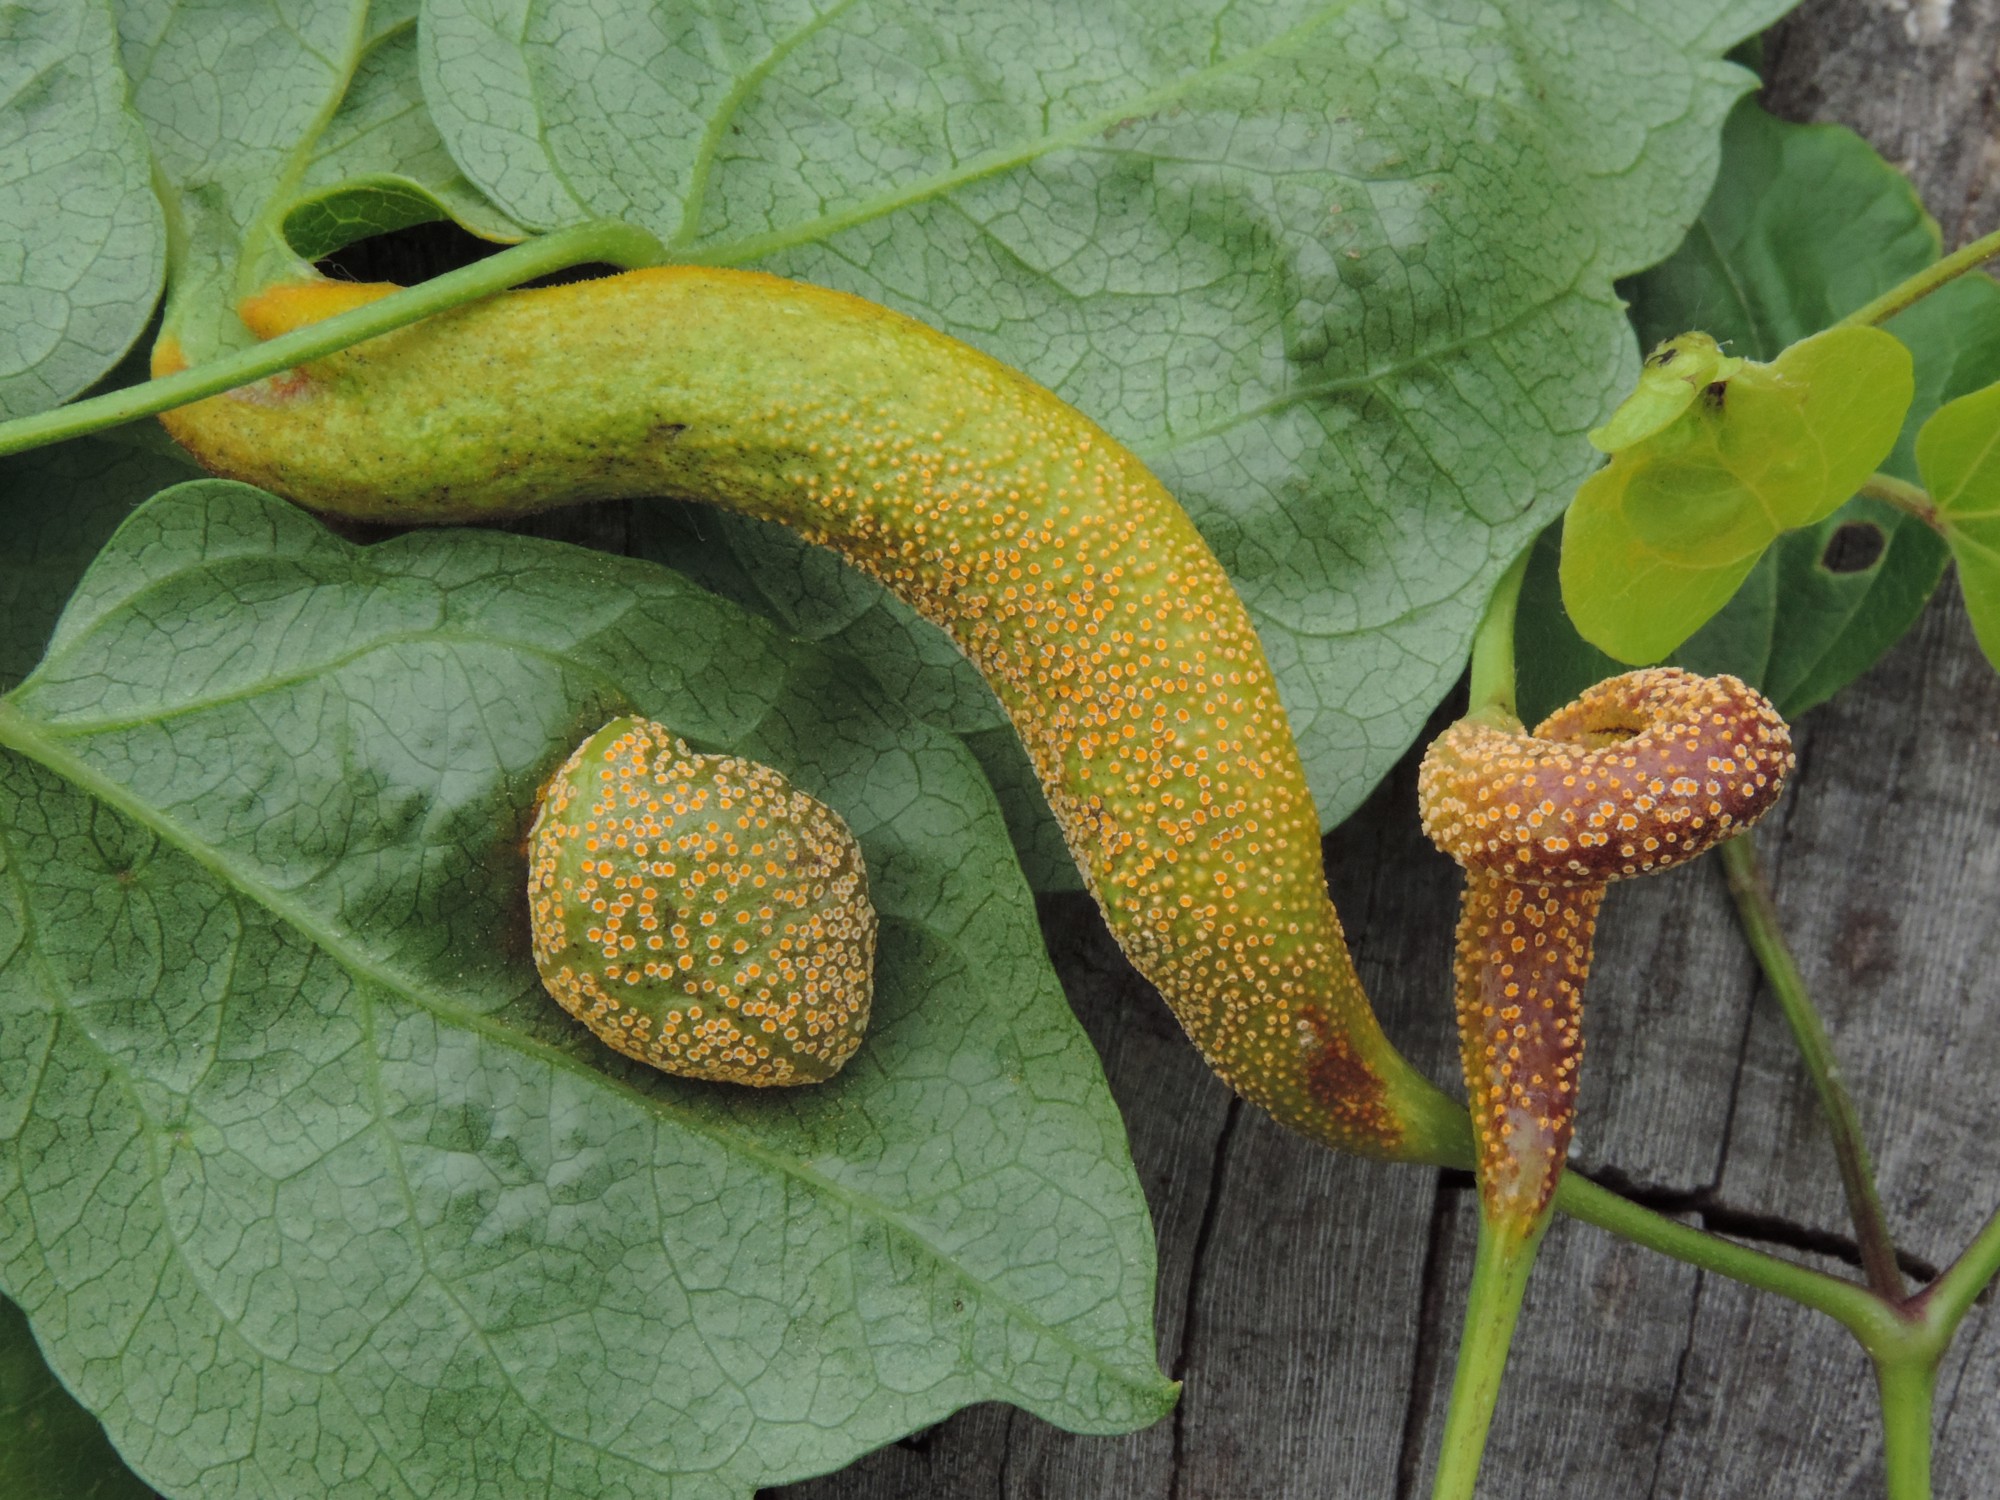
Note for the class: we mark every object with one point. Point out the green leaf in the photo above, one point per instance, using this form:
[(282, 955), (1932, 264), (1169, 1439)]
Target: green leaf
[(1797, 629), (1958, 453), (380, 165), (62, 504), (1340, 272), (280, 137), (1806, 224), (1676, 373), (85, 245), (1661, 537), (306, 1185), (50, 1448)]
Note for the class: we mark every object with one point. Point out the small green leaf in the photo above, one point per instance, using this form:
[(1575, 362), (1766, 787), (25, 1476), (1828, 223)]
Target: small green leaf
[(279, 137), (1806, 223), (380, 165), (84, 245), (1675, 373), (1658, 540), (1630, 599), (1806, 431), (1958, 453), (314, 1180)]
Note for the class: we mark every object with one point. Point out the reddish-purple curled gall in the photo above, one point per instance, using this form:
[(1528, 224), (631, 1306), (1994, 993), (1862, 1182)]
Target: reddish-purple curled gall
[(1641, 773)]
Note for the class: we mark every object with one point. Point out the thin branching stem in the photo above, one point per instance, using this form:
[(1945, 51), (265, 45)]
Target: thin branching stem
[(613, 243), (1870, 1319), (1493, 645), (1908, 293), (1500, 1268), (1945, 1302), (1906, 1387), (1906, 497), (1857, 1172)]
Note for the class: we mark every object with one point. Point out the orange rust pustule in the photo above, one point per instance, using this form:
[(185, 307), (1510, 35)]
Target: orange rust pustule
[(1640, 773), (1523, 955)]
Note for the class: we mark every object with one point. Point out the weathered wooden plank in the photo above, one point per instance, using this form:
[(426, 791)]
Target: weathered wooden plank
[(1771, 1400), (1302, 1332), (1670, 996)]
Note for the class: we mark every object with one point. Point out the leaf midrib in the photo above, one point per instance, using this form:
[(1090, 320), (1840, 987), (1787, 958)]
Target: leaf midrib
[(1006, 159), (25, 736)]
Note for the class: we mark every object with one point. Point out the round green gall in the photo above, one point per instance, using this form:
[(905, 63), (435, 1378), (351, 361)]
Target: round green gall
[(700, 913)]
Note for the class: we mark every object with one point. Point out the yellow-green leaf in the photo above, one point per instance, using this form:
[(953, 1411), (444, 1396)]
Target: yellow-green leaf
[(1659, 539), (1958, 453)]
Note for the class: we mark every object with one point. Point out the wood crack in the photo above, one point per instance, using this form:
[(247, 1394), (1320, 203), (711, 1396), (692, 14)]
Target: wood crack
[(1429, 1356), (1196, 1282)]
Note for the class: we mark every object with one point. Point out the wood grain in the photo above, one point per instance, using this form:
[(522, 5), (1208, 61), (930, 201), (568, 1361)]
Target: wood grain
[(1311, 1304)]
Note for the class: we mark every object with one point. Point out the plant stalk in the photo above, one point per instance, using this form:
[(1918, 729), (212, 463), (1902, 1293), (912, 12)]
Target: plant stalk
[(1906, 1386), (1857, 1172), (1907, 293), (1870, 1319), (1945, 1302), (1493, 646), (1906, 497), (615, 243), (1500, 1267)]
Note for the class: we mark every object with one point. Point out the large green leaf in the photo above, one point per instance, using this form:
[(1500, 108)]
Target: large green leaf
[(309, 1190), (1806, 223), (62, 504), (85, 246), (1341, 272), (281, 132), (50, 1448), (379, 164)]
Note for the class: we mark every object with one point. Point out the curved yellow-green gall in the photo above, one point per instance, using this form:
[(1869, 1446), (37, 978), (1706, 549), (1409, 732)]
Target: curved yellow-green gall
[(700, 913), (1059, 565)]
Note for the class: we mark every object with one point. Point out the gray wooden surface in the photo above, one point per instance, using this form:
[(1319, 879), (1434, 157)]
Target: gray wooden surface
[(1311, 1303)]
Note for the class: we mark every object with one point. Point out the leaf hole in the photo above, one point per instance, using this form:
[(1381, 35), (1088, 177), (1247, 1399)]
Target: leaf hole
[(418, 252), (408, 255), (1854, 548)]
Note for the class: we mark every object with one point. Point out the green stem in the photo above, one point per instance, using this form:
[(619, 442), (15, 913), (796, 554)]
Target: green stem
[(1926, 281), (617, 244), (1946, 1301), (1905, 497), (1906, 1386), (1871, 1320), (1857, 1173), (1493, 645), (1500, 1268)]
